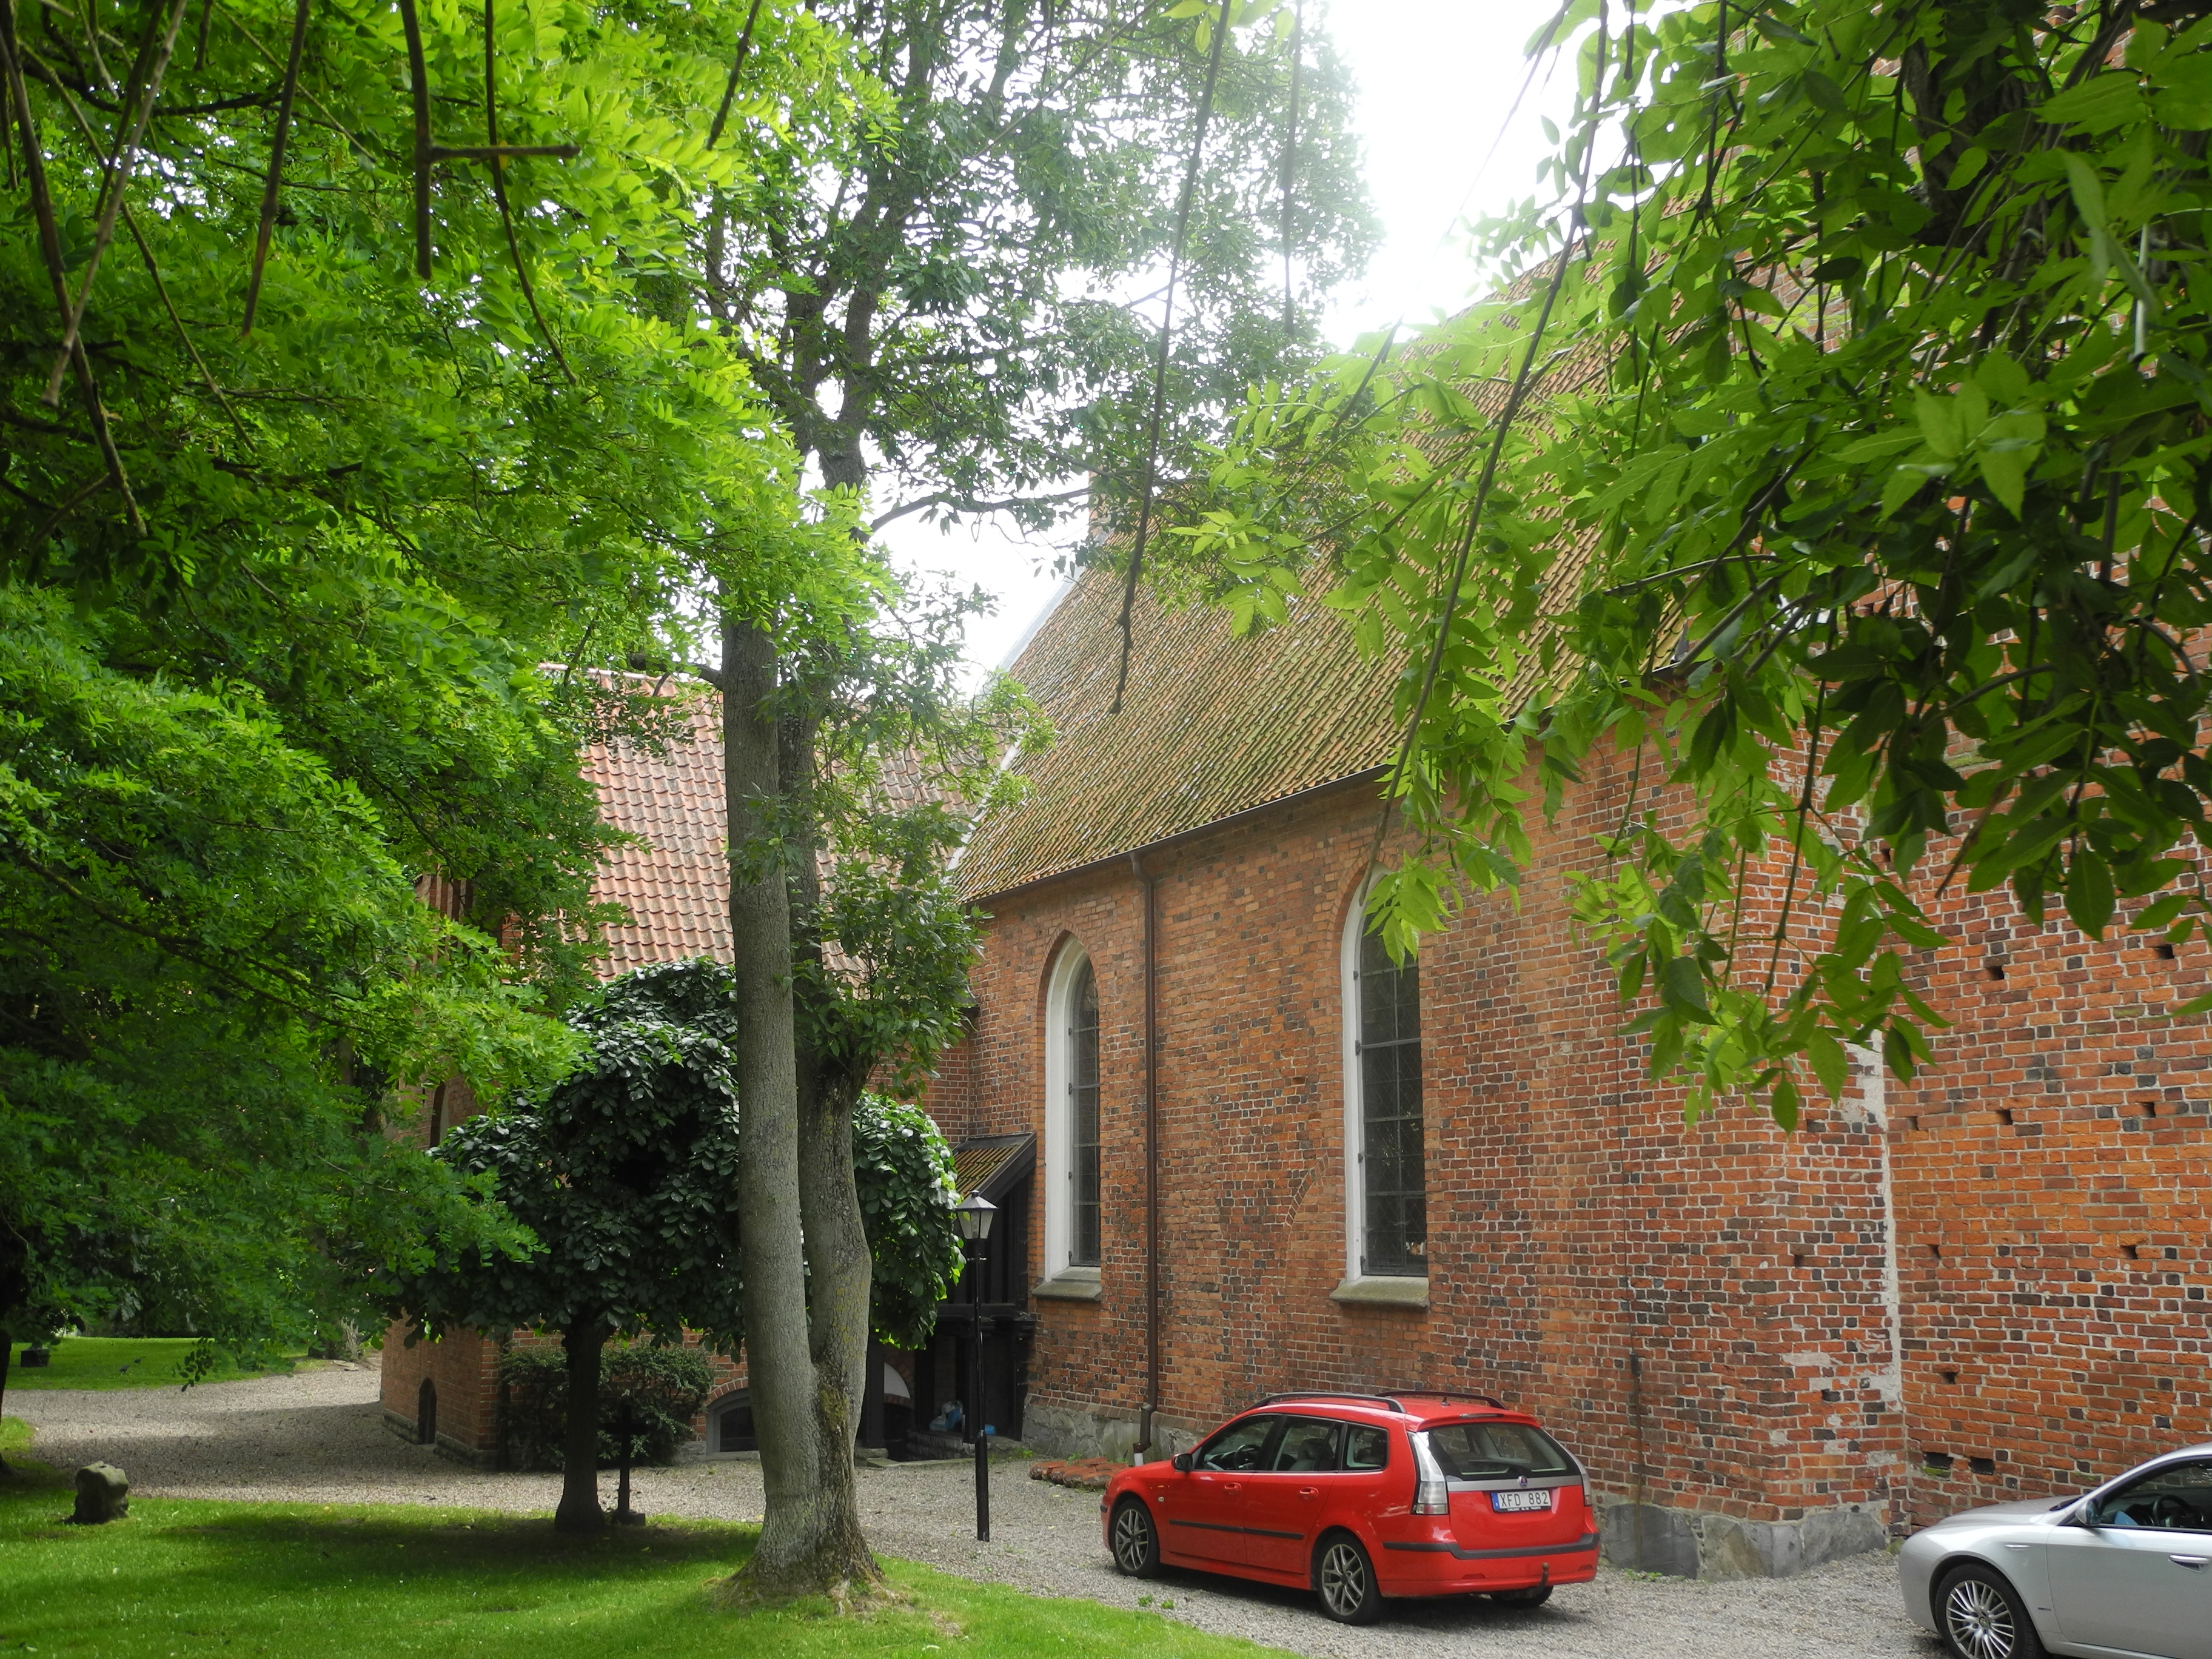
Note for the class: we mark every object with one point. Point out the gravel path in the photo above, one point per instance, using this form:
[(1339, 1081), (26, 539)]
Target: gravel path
[(317, 1437)]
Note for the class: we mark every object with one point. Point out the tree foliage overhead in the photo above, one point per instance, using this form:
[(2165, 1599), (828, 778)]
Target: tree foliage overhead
[(279, 598), (1840, 450), (958, 287)]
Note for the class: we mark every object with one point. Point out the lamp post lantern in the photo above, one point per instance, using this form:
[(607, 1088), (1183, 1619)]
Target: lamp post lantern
[(974, 1215)]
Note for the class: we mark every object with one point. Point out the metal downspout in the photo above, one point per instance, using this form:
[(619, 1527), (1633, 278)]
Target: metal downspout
[(1149, 885)]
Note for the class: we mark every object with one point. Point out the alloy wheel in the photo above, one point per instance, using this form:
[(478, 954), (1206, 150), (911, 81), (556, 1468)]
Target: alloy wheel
[(1978, 1621), (1133, 1539), (1343, 1578)]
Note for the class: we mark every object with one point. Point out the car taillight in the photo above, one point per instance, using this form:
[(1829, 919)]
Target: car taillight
[(1431, 1496)]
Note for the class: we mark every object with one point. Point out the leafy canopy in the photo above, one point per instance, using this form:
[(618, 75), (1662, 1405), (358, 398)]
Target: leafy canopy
[(954, 289), (277, 600), (624, 1171)]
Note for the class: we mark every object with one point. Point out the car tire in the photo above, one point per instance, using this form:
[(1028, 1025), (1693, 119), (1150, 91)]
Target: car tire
[(1344, 1579), (1532, 1596), (1134, 1540), (1980, 1616)]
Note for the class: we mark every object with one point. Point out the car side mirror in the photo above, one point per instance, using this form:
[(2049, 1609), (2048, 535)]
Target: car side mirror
[(1181, 1461)]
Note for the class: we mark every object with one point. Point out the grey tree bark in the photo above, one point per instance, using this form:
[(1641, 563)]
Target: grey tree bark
[(580, 1511), (802, 1410), (841, 1272)]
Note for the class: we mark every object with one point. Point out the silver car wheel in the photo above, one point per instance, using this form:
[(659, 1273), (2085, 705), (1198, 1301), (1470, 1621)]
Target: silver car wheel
[(1343, 1578), (1978, 1621), (1133, 1539)]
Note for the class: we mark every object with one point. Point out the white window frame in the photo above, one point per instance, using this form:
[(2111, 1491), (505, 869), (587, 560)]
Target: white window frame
[(1358, 1286), (1059, 1120)]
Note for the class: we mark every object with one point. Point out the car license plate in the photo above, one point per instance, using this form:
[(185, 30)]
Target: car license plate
[(1508, 1502)]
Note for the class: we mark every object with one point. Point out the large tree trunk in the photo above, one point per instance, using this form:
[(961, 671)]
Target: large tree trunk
[(840, 1276), (7, 1351), (841, 1272), (810, 1542), (580, 1511)]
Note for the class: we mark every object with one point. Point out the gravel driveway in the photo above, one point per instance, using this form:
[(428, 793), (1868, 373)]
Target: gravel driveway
[(317, 1437)]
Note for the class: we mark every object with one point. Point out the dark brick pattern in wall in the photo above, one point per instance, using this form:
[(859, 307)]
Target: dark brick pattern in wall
[(2052, 1203)]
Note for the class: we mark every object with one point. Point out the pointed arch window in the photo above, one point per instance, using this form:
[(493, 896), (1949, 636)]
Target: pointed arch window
[(1387, 1192), (1083, 1119), (1073, 1232)]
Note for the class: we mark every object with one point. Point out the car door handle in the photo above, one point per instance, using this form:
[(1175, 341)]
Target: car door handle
[(1232, 1486), (1308, 1492), (2190, 1561)]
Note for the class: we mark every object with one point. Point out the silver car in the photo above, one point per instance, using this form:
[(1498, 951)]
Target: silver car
[(2125, 1570)]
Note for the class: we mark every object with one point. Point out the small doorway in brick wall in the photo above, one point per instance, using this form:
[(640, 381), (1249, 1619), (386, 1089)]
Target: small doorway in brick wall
[(730, 1429), (426, 1414), (999, 1168)]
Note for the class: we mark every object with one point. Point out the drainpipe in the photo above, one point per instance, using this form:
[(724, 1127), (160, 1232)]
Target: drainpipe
[(1873, 1078), (1149, 885)]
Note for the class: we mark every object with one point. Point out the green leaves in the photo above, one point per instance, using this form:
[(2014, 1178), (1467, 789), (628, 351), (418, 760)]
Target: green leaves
[(624, 1171), (1861, 520), (231, 745), (2101, 105), (903, 1168)]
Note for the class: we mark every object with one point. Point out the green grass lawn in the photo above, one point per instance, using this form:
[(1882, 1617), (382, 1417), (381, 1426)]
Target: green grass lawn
[(301, 1581), (115, 1362)]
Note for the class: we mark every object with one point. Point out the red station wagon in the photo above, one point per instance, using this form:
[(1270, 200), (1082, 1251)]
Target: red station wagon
[(1359, 1497)]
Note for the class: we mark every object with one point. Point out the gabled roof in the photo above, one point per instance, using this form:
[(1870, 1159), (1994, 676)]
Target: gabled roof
[(991, 1166), (1211, 725)]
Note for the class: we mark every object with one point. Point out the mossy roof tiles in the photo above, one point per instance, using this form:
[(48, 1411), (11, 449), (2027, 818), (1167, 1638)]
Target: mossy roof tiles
[(1212, 724)]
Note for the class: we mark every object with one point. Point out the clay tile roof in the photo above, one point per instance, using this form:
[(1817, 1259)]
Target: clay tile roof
[(676, 886), (1211, 725)]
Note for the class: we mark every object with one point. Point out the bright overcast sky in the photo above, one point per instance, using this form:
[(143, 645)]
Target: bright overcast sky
[(1434, 80)]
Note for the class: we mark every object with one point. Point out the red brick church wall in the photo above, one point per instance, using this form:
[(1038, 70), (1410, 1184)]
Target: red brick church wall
[(2052, 1201), (1719, 1317)]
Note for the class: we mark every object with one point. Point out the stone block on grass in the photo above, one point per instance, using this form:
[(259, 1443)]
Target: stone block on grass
[(103, 1494)]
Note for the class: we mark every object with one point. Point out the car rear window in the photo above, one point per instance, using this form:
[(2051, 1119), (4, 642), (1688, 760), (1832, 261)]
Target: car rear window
[(1497, 1451), (1366, 1447)]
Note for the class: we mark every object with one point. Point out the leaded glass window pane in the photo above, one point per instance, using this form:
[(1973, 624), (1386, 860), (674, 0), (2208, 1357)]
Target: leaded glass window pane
[(1082, 1120), (1392, 1171)]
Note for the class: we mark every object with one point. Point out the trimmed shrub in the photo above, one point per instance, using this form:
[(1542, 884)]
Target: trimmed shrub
[(664, 1389)]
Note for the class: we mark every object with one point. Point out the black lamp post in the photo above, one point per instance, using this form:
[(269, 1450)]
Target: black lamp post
[(974, 1215)]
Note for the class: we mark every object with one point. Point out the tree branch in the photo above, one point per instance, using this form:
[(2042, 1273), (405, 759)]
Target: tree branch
[(968, 504), (275, 179), (114, 180)]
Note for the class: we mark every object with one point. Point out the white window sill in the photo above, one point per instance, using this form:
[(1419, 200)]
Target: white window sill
[(1384, 1292), (1070, 1284)]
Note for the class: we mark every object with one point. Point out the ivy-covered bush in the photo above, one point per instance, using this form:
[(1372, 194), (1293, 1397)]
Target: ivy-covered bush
[(664, 1389), (903, 1168)]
